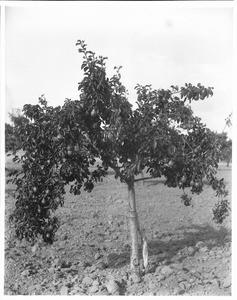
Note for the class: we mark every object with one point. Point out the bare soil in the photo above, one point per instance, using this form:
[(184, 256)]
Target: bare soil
[(188, 253)]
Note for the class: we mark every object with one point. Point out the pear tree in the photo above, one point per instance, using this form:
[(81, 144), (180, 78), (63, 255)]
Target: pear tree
[(160, 137)]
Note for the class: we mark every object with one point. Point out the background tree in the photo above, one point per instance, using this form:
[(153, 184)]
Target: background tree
[(225, 142), (161, 137), (12, 139), (226, 147), (226, 151), (17, 118)]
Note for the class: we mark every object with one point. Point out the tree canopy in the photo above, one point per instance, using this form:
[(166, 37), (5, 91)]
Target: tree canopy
[(161, 137)]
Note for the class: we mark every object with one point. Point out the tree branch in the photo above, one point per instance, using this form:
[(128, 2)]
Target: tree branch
[(144, 178)]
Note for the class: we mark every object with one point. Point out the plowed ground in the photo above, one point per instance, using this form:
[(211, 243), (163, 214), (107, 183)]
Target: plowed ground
[(188, 253)]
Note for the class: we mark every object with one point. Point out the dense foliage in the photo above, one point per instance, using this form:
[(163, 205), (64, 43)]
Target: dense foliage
[(63, 144)]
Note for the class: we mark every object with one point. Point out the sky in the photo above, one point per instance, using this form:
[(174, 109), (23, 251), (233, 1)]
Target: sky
[(156, 44)]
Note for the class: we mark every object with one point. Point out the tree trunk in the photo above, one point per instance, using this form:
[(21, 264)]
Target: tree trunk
[(143, 182), (228, 162), (133, 219)]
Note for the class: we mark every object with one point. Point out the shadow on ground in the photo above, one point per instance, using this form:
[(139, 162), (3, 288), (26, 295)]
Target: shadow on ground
[(160, 249), (190, 236)]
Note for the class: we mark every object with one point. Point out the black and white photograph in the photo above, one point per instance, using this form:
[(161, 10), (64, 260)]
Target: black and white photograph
[(116, 148)]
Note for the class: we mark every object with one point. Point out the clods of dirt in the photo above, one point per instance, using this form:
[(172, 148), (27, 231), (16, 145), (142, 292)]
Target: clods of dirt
[(188, 253)]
